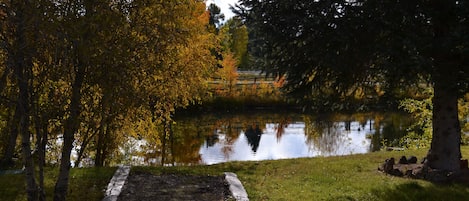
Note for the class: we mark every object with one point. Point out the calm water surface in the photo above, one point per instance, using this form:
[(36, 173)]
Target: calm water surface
[(212, 139)]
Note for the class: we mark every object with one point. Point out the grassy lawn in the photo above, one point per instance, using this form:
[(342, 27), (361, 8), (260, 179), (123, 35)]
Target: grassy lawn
[(85, 184), (333, 178)]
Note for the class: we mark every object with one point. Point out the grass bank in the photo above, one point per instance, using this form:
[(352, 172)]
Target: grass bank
[(323, 178), (85, 184), (329, 178)]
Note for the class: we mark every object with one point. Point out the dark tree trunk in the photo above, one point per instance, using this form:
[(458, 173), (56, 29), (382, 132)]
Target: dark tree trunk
[(40, 126), (106, 147), (171, 138), (81, 63), (163, 142), (445, 152), (83, 146), (23, 72), (3, 79), (70, 128), (42, 162), (23, 103), (81, 152), (103, 131), (7, 159), (31, 186), (101, 144)]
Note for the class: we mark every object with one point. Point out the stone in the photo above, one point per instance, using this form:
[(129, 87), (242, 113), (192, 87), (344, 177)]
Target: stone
[(421, 171), (236, 187), (412, 160), (418, 172), (388, 165), (403, 160), (114, 187)]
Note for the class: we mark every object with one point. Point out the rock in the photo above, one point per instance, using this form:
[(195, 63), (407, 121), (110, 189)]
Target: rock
[(412, 160), (388, 165), (418, 172), (408, 167), (396, 172), (394, 149), (403, 160), (237, 190), (408, 173)]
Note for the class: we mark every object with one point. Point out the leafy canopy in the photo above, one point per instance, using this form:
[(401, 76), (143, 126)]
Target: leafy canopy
[(333, 46)]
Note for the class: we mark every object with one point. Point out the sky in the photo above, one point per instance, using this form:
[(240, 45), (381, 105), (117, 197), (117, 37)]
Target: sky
[(224, 6)]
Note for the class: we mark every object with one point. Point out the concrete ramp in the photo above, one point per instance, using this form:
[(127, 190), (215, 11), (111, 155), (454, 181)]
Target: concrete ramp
[(236, 187), (114, 187)]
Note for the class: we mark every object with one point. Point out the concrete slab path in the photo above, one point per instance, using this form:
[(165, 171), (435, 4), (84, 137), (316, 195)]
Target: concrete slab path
[(117, 182), (114, 187), (236, 187)]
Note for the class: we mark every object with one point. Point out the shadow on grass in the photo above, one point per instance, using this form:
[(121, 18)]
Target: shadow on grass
[(416, 191)]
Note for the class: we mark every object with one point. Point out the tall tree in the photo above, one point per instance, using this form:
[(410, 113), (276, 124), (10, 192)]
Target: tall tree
[(332, 47), (216, 17), (20, 41), (99, 61), (173, 48), (173, 51), (98, 34), (235, 37)]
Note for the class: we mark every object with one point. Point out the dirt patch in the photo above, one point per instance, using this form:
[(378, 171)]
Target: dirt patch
[(142, 186)]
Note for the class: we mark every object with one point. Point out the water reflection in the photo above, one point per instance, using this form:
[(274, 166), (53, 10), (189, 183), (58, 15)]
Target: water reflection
[(253, 135), (214, 139)]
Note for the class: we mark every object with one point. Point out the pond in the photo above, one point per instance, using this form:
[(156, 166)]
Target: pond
[(211, 139)]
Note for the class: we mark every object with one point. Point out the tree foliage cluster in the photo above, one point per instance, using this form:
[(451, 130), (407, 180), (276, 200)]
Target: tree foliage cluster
[(85, 73), (227, 84), (332, 47), (337, 45), (420, 133)]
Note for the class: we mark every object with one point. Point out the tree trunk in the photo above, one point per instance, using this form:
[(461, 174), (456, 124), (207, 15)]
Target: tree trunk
[(163, 142), (445, 153), (40, 126), (42, 162), (31, 186), (101, 144), (7, 159), (23, 70), (82, 60), (171, 138), (83, 146), (3, 78), (70, 128)]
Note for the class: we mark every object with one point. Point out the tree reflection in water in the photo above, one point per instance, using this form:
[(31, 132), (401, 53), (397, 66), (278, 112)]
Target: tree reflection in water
[(212, 139), (253, 134)]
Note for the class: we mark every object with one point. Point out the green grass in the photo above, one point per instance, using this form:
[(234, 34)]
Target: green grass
[(328, 178), (324, 178), (85, 184)]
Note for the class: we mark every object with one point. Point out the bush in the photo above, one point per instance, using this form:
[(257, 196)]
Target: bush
[(420, 132)]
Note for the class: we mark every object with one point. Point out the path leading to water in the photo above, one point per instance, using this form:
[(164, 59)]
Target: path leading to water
[(129, 186)]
